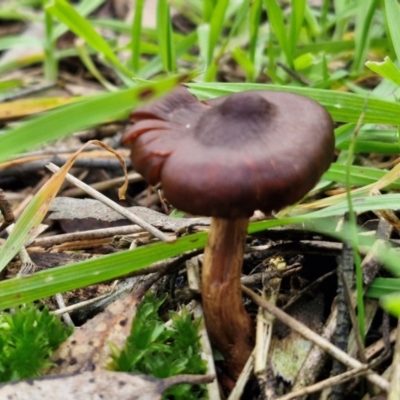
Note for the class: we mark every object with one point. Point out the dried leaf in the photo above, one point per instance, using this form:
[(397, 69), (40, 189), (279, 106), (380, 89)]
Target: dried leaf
[(96, 385), (70, 208), (289, 349), (88, 348)]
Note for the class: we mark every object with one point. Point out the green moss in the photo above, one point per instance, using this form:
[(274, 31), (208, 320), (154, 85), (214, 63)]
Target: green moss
[(160, 351), (27, 338)]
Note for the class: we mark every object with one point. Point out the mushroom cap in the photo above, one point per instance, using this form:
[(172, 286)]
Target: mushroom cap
[(229, 156)]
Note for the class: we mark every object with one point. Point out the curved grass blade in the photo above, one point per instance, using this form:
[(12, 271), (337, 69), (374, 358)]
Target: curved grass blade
[(165, 39), (365, 12), (47, 283), (391, 303), (343, 107), (277, 21), (381, 286), (136, 35), (392, 13), (65, 13), (80, 115), (22, 290), (37, 209)]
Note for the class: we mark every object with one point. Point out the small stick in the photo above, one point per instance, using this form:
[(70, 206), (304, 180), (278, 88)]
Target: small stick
[(264, 328), (86, 235), (326, 383), (315, 338), (123, 211), (345, 272), (78, 306), (65, 316)]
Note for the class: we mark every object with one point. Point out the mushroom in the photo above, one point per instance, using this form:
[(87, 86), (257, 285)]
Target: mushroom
[(226, 158)]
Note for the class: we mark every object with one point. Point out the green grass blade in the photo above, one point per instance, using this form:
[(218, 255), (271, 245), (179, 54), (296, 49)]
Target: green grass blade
[(254, 24), (203, 35), (365, 12), (392, 13), (165, 39), (359, 176), (360, 205), (277, 21), (65, 13), (216, 24), (155, 66), (334, 47), (324, 18), (87, 61), (354, 236), (47, 283), (391, 303), (84, 8), (363, 146), (17, 291), (387, 69), (340, 7), (12, 41), (136, 33), (50, 61), (23, 290), (83, 114), (295, 25), (208, 7), (343, 107), (245, 63), (10, 84), (383, 286), (240, 15)]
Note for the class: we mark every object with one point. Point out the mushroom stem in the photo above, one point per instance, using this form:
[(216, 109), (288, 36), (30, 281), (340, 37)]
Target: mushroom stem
[(230, 328)]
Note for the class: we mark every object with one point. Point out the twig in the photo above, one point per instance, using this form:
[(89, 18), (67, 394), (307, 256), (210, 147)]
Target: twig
[(86, 235), (315, 338), (264, 327), (316, 357), (308, 288), (345, 280), (294, 74), (353, 318), (97, 195), (326, 383), (379, 345), (78, 306), (370, 265), (65, 316)]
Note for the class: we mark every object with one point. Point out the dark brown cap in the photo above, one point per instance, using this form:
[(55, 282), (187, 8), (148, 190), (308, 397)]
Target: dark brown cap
[(232, 155)]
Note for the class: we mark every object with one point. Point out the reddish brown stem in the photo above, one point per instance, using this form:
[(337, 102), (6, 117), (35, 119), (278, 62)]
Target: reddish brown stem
[(230, 328)]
